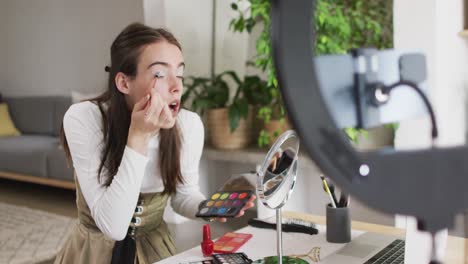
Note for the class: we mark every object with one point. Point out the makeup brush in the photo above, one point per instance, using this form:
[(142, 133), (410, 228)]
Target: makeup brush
[(331, 186), (327, 191)]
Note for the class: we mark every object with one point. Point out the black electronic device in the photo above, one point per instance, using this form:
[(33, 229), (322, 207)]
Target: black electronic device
[(233, 258)]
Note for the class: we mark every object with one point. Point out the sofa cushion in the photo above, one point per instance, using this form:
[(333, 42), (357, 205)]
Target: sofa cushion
[(38, 115), (61, 106), (26, 154), (7, 127), (57, 166)]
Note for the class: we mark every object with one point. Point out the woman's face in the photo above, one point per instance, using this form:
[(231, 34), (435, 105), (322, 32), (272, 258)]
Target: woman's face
[(161, 62)]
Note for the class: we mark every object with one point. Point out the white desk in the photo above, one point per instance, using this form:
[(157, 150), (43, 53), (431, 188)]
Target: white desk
[(263, 242)]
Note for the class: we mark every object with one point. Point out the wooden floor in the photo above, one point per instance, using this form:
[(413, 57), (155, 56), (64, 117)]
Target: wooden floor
[(35, 196)]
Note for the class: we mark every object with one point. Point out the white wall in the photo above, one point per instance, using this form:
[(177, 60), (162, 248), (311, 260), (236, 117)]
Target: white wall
[(2, 48), (154, 13), (191, 22), (57, 46), (231, 48), (435, 32), (416, 34), (451, 72)]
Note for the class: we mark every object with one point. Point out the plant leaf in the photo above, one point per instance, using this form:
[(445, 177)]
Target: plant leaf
[(234, 117)]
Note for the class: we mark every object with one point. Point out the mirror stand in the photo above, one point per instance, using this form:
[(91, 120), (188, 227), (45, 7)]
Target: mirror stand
[(279, 235), (277, 177)]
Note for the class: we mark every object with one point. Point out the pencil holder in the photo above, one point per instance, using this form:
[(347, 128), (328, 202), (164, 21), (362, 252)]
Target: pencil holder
[(338, 225)]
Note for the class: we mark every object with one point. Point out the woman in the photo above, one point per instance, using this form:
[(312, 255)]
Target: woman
[(132, 148)]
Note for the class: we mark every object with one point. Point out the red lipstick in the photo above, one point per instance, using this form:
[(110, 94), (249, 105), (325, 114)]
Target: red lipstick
[(207, 244)]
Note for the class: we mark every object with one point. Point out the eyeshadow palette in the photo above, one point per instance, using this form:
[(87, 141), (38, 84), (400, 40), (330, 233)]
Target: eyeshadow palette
[(224, 204), (235, 258), (231, 242)]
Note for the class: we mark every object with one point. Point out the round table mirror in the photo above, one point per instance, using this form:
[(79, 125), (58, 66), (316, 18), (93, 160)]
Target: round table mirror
[(277, 177)]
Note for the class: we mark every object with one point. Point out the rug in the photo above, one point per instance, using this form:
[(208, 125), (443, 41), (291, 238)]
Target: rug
[(31, 236)]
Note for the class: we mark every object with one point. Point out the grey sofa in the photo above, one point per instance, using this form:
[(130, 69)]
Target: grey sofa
[(36, 155)]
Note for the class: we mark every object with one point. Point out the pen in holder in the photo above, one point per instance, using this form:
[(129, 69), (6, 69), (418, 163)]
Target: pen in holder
[(338, 224)]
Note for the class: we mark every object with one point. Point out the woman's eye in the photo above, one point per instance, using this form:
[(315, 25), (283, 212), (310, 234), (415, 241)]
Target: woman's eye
[(159, 75), (181, 77)]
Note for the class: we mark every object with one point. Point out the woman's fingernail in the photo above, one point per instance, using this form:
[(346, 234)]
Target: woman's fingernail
[(148, 97)]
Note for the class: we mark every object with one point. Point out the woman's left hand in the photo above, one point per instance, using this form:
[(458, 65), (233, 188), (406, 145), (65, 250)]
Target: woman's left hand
[(248, 205)]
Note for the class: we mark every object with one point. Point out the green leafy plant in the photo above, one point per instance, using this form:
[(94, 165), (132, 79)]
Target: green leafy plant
[(256, 90), (259, 93), (347, 24), (340, 25), (213, 93)]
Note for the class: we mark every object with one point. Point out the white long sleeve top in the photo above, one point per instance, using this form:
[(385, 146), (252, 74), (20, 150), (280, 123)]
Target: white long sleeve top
[(112, 207)]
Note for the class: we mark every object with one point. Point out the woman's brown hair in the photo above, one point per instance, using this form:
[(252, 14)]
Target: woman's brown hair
[(125, 53)]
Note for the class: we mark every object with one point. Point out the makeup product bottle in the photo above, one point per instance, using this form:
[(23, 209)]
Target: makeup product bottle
[(207, 244)]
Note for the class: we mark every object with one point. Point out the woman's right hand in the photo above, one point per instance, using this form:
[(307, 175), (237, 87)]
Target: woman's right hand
[(149, 114)]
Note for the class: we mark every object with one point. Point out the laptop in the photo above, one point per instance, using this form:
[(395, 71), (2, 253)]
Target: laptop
[(370, 248)]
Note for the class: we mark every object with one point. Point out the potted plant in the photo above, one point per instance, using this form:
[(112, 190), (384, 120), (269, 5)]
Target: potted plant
[(340, 26), (274, 120), (267, 106), (258, 95), (228, 121)]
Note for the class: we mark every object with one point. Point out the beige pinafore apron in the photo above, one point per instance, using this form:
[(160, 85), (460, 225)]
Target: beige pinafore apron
[(87, 244)]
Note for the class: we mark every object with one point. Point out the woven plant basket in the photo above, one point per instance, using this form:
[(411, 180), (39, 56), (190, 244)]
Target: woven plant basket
[(220, 134), (276, 125)]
